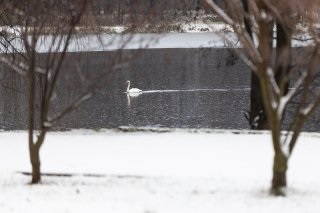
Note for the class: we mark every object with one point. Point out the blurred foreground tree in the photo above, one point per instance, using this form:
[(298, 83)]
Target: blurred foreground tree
[(30, 22), (260, 26), (34, 43)]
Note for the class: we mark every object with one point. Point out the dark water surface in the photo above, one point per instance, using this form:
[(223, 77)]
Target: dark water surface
[(196, 109), (190, 88)]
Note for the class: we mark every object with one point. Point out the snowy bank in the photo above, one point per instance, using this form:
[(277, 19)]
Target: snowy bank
[(157, 172), (112, 42)]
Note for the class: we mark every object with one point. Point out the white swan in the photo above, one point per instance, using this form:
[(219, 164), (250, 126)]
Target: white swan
[(132, 90)]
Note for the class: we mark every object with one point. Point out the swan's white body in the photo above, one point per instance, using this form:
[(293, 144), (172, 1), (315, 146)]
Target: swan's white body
[(132, 90)]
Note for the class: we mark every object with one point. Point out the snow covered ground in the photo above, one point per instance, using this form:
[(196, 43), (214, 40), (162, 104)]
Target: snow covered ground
[(144, 172)]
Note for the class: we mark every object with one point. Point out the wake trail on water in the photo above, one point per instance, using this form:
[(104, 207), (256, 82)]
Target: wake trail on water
[(195, 90)]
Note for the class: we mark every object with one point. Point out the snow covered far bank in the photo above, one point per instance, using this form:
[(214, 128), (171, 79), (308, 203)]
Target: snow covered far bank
[(112, 42), (178, 172)]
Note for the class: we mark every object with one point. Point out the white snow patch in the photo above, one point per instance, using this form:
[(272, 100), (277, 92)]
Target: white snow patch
[(199, 26), (152, 172)]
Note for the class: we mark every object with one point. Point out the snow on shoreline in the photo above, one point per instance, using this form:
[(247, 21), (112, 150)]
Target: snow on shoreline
[(157, 172), (113, 42)]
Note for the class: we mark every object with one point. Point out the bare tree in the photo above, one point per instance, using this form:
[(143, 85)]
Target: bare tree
[(50, 27), (35, 19), (254, 24)]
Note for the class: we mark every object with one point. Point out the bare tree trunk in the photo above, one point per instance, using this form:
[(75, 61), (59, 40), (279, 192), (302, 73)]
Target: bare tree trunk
[(34, 148), (257, 116), (35, 163), (120, 15), (283, 59), (35, 156), (279, 179), (33, 152)]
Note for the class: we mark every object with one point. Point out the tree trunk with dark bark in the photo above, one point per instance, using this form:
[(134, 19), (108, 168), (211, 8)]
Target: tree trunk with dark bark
[(283, 59), (35, 163), (279, 179), (257, 117)]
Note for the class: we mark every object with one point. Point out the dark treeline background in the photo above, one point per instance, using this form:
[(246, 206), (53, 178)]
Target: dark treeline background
[(107, 6), (162, 10), (109, 12)]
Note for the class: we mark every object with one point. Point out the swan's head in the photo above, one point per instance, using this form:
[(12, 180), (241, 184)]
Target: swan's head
[(127, 82)]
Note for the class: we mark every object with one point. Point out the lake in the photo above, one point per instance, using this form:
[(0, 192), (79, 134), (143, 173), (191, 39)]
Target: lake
[(182, 88)]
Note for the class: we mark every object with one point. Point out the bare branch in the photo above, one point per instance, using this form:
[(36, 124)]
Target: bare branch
[(220, 12), (242, 34), (18, 69)]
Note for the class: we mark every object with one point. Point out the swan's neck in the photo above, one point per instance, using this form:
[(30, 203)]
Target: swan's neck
[(128, 87)]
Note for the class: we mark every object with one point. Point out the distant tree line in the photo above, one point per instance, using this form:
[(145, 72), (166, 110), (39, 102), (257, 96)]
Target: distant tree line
[(109, 6), (106, 12), (160, 10), (144, 5)]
